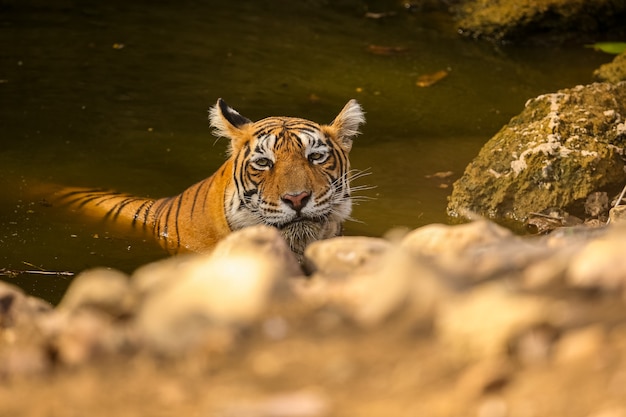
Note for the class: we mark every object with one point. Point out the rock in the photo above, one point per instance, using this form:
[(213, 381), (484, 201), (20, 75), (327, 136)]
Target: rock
[(580, 345), (522, 20), (101, 289), (201, 300), (22, 343), (614, 71), (304, 403), (82, 335), (560, 149), (369, 279), (343, 255), (617, 215), (474, 252), (17, 308), (601, 263), (484, 376), (438, 239), (597, 205), (483, 322)]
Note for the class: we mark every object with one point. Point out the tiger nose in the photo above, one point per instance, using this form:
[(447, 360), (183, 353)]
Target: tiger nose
[(296, 201)]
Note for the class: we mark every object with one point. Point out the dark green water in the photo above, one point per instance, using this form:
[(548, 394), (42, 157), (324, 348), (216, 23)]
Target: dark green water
[(115, 94)]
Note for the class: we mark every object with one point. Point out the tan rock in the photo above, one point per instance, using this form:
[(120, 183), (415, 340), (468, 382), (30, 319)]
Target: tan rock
[(341, 256), (482, 323), (580, 344), (617, 215), (203, 296), (600, 263), (101, 289), (437, 239)]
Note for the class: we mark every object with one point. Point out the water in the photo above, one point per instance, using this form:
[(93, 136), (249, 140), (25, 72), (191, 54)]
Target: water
[(115, 94)]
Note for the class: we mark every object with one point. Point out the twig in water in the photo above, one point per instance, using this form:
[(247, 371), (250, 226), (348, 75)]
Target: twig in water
[(5, 272)]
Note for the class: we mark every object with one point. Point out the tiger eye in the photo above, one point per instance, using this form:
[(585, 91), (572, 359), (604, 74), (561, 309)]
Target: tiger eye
[(264, 162), (316, 156)]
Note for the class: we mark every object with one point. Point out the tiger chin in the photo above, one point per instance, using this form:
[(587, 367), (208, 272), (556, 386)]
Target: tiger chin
[(286, 172)]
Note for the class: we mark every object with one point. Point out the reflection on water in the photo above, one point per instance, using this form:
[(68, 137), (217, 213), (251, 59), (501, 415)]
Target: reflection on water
[(115, 94)]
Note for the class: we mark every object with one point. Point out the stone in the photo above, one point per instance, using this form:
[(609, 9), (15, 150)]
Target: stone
[(211, 296), (617, 215), (483, 323), (302, 403), (522, 20), (16, 307), (100, 289), (600, 263), (580, 344), (82, 335), (369, 279), (614, 71), (438, 239), (560, 149), (341, 256)]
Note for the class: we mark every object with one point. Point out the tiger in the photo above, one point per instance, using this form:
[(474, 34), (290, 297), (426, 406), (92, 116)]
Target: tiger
[(285, 172)]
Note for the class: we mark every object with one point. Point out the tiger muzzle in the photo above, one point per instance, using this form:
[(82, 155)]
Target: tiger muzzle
[(296, 201)]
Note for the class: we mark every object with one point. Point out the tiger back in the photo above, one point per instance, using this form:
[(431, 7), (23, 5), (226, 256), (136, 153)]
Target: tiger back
[(289, 173)]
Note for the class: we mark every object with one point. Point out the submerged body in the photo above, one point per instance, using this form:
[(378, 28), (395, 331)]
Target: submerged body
[(289, 173)]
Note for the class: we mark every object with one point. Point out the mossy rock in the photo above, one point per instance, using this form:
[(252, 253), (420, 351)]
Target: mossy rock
[(562, 147), (614, 71), (524, 19)]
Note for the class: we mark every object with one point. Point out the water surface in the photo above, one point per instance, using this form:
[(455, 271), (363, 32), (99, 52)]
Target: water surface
[(115, 94)]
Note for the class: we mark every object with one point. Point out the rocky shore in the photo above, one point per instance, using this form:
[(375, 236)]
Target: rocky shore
[(444, 320)]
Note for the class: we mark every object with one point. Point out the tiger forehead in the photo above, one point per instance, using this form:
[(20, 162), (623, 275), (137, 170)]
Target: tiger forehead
[(280, 125)]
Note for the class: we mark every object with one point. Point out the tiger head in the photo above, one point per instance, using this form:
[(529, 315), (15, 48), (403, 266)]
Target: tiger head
[(289, 173)]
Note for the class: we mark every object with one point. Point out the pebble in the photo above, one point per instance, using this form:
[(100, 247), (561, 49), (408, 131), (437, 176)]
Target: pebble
[(101, 289)]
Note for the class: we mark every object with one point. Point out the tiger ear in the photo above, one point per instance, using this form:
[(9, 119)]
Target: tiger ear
[(227, 121), (347, 123)]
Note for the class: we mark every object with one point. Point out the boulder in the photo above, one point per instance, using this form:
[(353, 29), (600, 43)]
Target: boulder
[(614, 71), (201, 301), (520, 20), (561, 148)]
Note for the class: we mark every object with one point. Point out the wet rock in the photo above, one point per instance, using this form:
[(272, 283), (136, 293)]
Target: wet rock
[(202, 300), (560, 149), (521, 20), (614, 71), (484, 322), (99, 289)]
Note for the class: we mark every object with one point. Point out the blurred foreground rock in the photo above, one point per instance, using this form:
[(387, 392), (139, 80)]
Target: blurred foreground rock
[(448, 320)]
